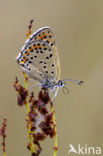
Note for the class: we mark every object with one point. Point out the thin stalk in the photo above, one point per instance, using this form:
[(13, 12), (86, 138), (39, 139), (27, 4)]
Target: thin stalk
[(55, 128), (32, 146), (4, 153)]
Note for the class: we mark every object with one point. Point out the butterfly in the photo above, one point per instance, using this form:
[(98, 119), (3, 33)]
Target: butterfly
[(40, 60)]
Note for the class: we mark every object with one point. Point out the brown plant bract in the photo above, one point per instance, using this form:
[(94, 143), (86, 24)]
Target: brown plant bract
[(40, 116), (22, 93)]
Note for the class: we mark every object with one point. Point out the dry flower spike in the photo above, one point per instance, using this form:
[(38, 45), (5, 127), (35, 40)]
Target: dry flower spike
[(22, 93), (39, 119)]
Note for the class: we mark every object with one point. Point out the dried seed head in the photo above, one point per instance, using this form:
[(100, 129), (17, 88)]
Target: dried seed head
[(22, 93), (39, 119)]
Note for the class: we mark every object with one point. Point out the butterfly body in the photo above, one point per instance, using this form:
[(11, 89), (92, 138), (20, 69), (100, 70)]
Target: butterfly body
[(50, 85), (40, 60)]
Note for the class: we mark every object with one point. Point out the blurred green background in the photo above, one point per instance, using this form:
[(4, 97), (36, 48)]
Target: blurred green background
[(78, 27)]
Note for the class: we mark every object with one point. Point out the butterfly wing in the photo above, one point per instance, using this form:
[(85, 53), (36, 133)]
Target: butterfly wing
[(45, 34), (39, 57), (33, 72)]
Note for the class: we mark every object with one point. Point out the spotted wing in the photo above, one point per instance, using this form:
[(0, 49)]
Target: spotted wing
[(38, 61), (46, 35), (39, 56)]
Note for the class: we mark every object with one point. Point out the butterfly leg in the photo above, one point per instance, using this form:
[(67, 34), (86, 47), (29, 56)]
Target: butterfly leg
[(52, 90), (55, 93), (34, 86)]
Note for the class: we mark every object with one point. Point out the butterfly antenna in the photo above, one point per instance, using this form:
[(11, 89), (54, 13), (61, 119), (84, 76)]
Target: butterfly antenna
[(79, 82)]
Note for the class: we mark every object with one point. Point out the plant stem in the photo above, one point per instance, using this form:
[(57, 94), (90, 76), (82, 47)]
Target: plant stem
[(32, 146), (54, 120), (4, 153)]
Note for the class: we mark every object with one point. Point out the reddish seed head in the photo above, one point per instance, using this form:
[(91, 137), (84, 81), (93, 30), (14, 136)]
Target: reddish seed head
[(39, 136), (44, 96), (40, 118), (22, 93)]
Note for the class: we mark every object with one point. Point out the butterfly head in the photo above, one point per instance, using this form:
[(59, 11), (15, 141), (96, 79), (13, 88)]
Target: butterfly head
[(61, 84)]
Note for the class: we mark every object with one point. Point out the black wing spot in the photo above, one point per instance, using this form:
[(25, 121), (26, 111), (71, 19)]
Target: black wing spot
[(37, 51), (52, 65), (44, 66), (47, 41), (51, 55), (31, 58), (45, 37), (46, 72), (29, 47), (35, 56), (38, 44), (52, 72), (25, 52), (29, 61), (45, 48), (41, 62), (41, 52), (47, 57), (43, 44)]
